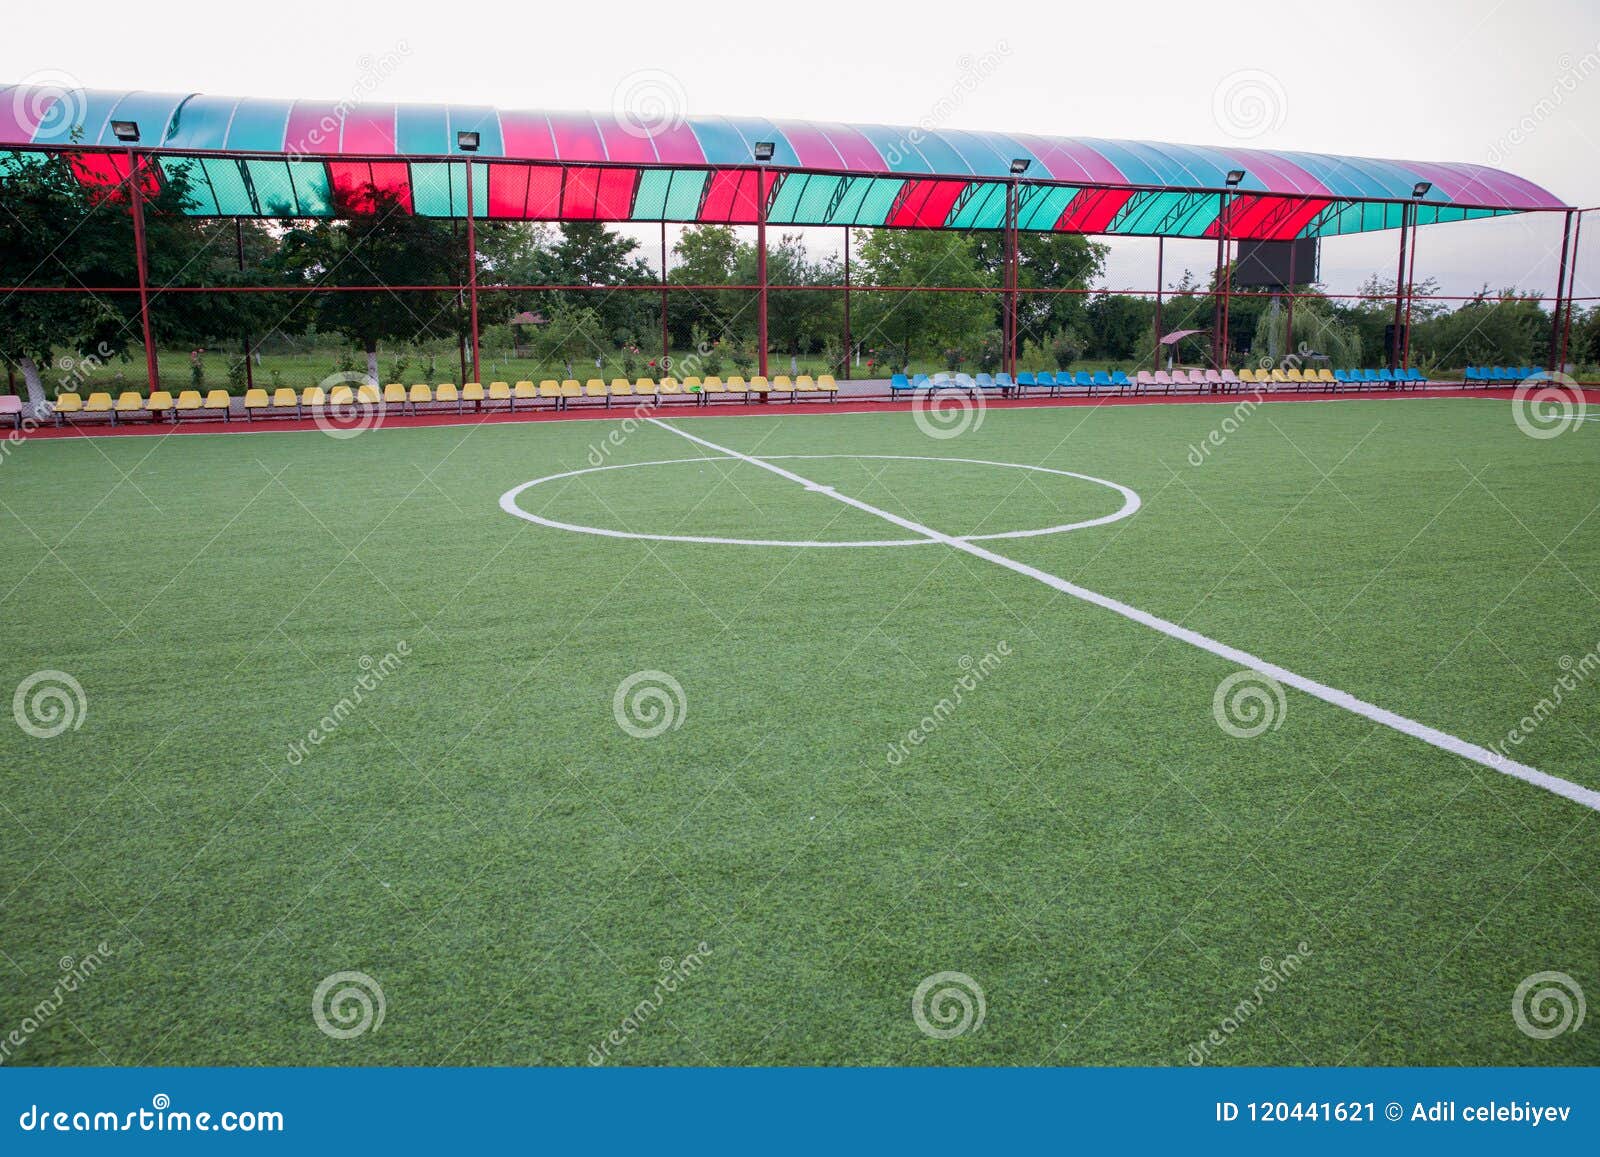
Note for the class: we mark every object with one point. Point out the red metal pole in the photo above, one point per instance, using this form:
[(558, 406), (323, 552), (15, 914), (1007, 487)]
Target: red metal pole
[(472, 275), (1216, 283), (238, 248), (1399, 292), (666, 340), (1555, 359), (1011, 278), (1288, 325), (761, 273), (1411, 291), (135, 176), (1572, 286), (1161, 258), (848, 358)]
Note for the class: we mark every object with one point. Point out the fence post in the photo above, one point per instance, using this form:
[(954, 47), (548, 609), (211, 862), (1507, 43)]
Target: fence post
[(135, 175)]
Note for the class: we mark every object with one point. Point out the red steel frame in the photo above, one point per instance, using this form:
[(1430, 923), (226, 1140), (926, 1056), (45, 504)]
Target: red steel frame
[(1009, 291)]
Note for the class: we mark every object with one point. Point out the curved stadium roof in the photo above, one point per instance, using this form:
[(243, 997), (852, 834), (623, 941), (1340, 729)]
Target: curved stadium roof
[(256, 157)]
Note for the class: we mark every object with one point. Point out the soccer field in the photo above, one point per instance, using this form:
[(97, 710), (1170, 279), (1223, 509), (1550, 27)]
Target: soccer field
[(564, 797)]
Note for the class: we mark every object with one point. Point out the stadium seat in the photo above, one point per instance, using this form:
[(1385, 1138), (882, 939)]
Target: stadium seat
[(448, 394), (1231, 381), (548, 389), (712, 384), (313, 398), (1341, 378), (67, 403), (736, 385), (420, 394), (570, 388), (783, 384), (472, 392), (693, 385), (11, 407), (341, 396), (1385, 376), (394, 394), (827, 385), (1164, 380), (1045, 380), (501, 392), (187, 400), (100, 402), (645, 386), (1279, 378), (1004, 382), (255, 399), (160, 402), (758, 384), (129, 402), (596, 388), (670, 385), (899, 382), (367, 394), (1248, 376), (283, 398), (1293, 374), (220, 400), (620, 388), (1144, 381), (805, 384), (1102, 379), (1083, 379), (984, 381)]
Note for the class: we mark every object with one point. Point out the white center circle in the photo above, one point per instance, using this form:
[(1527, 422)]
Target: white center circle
[(508, 503)]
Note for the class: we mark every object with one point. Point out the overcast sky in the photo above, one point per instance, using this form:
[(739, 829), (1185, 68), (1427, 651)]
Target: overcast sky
[(1511, 84)]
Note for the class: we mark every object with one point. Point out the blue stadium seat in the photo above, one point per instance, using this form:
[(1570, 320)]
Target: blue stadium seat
[(1118, 378), (965, 382), (1101, 378), (1083, 378), (1384, 375), (1342, 377), (1003, 382), (1369, 377), (921, 382), (1045, 378), (1025, 379), (899, 382), (985, 381)]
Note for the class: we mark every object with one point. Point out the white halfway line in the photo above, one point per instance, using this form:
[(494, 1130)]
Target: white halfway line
[(1494, 761)]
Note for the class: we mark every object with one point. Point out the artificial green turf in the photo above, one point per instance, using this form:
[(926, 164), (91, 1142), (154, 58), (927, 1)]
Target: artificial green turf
[(1080, 837)]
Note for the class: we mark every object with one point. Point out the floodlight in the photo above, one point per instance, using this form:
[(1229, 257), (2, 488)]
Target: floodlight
[(1421, 188), (764, 150), (125, 131), (1234, 177), (467, 142), (1019, 165)]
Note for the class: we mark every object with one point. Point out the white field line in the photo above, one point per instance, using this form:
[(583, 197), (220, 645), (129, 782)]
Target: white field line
[(1577, 793)]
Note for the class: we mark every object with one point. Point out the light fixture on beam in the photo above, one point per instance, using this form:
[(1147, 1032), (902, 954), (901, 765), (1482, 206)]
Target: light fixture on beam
[(467, 142), (764, 150), (1234, 177), (1019, 165), (1421, 189), (125, 131)]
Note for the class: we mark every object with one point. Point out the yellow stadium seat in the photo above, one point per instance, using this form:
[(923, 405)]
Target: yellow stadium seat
[(419, 394), (446, 392), (735, 384), (97, 403), (367, 394), (472, 392), (596, 388), (394, 394), (341, 396), (525, 391), (1279, 376), (1325, 376), (826, 384), (670, 385), (68, 403), (550, 389), (160, 403), (255, 399), (501, 392), (313, 398), (571, 388), (711, 384), (644, 386), (285, 399), (781, 384), (1293, 374), (187, 400), (1247, 375), (805, 384), (621, 388), (759, 385), (220, 400), (692, 384), (128, 402)]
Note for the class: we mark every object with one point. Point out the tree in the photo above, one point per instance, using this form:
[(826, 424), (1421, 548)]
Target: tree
[(1044, 261), (373, 240), (926, 322)]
